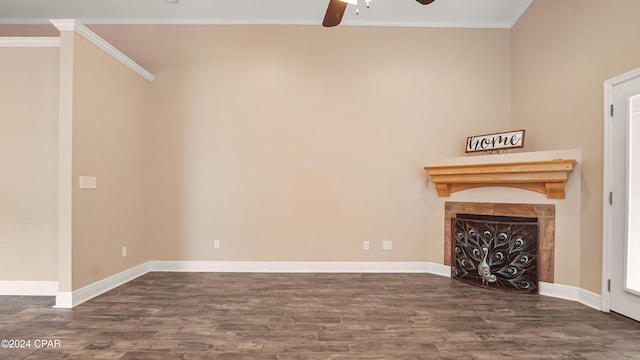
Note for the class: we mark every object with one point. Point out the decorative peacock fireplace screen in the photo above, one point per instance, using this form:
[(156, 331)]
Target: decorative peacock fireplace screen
[(497, 252)]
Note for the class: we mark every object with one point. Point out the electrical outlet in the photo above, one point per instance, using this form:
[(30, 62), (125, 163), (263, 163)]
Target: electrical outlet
[(387, 245), (366, 245), (88, 182), (124, 251), (216, 244)]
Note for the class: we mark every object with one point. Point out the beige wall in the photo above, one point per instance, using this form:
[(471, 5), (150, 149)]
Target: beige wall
[(28, 164), (109, 142), (562, 51), (299, 143)]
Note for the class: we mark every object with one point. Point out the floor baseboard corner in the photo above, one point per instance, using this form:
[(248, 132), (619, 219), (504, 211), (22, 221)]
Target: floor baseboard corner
[(101, 286), (572, 293)]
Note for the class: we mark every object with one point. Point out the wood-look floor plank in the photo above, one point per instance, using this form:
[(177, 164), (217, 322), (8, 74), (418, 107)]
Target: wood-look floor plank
[(225, 316)]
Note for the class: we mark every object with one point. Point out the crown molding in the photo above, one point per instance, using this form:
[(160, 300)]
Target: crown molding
[(29, 42), (65, 24), (78, 28), (293, 22)]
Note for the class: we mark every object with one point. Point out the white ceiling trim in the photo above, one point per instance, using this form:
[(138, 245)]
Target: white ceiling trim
[(67, 24), (142, 21), (388, 13), (78, 28), (29, 42), (432, 25)]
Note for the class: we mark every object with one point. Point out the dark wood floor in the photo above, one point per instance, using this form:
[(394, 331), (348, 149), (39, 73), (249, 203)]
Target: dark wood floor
[(314, 316)]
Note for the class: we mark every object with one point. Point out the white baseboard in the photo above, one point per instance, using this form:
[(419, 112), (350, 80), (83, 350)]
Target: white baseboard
[(29, 288), (572, 293), (64, 300), (438, 269), (299, 267), (77, 297), (71, 299), (590, 299)]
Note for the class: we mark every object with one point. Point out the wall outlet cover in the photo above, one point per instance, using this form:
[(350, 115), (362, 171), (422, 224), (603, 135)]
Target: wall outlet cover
[(88, 182)]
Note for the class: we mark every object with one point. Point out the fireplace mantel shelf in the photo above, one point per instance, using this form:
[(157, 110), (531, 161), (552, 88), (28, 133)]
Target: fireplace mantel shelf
[(546, 177)]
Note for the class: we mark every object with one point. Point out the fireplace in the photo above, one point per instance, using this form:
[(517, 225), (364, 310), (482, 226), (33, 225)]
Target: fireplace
[(545, 215), (484, 185), (497, 252)]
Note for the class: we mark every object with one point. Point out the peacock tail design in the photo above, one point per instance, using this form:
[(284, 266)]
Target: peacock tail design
[(498, 253)]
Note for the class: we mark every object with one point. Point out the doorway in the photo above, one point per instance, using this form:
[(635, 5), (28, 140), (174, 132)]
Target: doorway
[(621, 223)]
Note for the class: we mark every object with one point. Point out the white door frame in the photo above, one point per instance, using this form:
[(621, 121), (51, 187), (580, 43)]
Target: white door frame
[(607, 227)]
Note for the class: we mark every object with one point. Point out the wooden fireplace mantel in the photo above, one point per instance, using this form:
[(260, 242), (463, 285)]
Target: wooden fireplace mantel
[(546, 177)]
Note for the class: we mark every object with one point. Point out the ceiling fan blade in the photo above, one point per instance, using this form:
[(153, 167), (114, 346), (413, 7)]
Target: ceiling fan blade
[(334, 14), (425, 2)]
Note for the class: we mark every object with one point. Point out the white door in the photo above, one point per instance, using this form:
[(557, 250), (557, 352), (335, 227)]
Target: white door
[(624, 181)]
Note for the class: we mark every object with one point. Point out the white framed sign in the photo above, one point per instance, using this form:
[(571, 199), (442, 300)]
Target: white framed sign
[(494, 142)]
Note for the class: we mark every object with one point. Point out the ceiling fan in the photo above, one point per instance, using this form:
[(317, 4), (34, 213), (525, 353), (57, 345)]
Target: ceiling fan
[(336, 9)]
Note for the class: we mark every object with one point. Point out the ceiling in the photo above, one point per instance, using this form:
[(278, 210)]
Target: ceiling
[(441, 13)]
